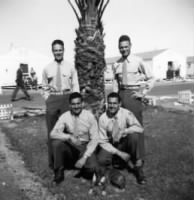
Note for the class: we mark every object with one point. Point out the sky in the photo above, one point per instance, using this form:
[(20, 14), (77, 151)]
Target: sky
[(151, 24)]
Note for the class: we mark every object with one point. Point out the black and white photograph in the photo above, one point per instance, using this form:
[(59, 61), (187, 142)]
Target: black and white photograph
[(96, 100)]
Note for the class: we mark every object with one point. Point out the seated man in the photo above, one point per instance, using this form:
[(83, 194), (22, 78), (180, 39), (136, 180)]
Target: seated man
[(120, 132), (74, 139)]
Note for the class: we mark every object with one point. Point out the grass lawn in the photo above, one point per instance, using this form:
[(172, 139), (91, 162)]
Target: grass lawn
[(169, 164)]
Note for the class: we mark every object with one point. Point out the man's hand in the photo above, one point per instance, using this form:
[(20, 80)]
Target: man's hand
[(74, 140), (46, 95), (119, 135), (81, 162), (137, 95), (122, 133), (123, 155), (141, 96)]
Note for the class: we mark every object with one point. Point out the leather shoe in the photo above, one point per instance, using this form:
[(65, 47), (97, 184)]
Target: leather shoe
[(139, 174), (59, 176)]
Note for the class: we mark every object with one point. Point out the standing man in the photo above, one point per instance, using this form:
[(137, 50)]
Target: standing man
[(132, 81), (59, 79), (74, 139), (20, 85), (119, 133)]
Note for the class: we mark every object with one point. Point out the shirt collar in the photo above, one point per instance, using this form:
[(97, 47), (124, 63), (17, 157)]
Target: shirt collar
[(121, 60), (76, 115), (116, 116), (59, 63)]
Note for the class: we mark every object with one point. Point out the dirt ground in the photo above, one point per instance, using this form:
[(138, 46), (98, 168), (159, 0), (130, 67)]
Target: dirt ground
[(16, 182)]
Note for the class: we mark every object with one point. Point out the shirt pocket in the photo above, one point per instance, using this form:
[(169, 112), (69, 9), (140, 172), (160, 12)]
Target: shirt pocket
[(83, 134), (66, 79), (133, 67)]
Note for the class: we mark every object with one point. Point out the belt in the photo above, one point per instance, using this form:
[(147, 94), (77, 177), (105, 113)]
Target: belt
[(60, 92), (129, 87)]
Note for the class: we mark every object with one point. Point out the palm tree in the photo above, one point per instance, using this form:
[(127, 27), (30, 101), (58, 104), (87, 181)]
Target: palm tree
[(89, 51)]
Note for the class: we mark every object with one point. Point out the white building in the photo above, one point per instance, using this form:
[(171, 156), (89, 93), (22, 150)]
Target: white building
[(9, 63), (190, 67), (161, 61), (158, 62)]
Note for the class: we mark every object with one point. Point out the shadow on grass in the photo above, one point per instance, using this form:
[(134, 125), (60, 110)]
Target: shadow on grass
[(169, 139)]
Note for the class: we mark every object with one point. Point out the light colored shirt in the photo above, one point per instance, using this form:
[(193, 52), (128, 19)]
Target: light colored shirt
[(127, 122), (69, 78), (137, 73), (87, 129)]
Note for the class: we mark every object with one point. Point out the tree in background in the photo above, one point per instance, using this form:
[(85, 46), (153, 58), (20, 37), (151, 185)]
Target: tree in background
[(89, 51)]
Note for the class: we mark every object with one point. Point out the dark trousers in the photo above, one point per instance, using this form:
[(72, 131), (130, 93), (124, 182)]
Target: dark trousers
[(18, 87), (132, 104), (55, 106), (66, 155), (130, 144), (136, 107)]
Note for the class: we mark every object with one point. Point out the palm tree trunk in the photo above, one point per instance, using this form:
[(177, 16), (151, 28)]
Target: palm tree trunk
[(89, 52)]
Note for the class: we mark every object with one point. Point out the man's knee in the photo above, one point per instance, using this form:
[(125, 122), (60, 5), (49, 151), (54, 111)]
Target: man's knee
[(90, 165), (104, 158), (57, 145), (133, 138)]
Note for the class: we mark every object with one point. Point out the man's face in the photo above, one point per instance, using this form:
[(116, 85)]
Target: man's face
[(76, 106), (125, 48), (113, 105), (58, 51)]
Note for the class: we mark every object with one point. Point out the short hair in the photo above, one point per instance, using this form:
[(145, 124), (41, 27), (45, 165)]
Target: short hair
[(60, 42), (75, 95), (124, 38), (114, 95)]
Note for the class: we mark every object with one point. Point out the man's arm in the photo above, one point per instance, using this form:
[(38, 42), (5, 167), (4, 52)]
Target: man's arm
[(149, 78), (45, 88), (93, 141), (104, 140), (75, 82), (58, 130), (106, 145), (115, 83), (133, 125), (93, 134)]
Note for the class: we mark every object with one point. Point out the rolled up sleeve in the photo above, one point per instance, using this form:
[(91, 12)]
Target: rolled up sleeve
[(58, 130), (75, 82), (104, 140), (133, 124), (93, 136)]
